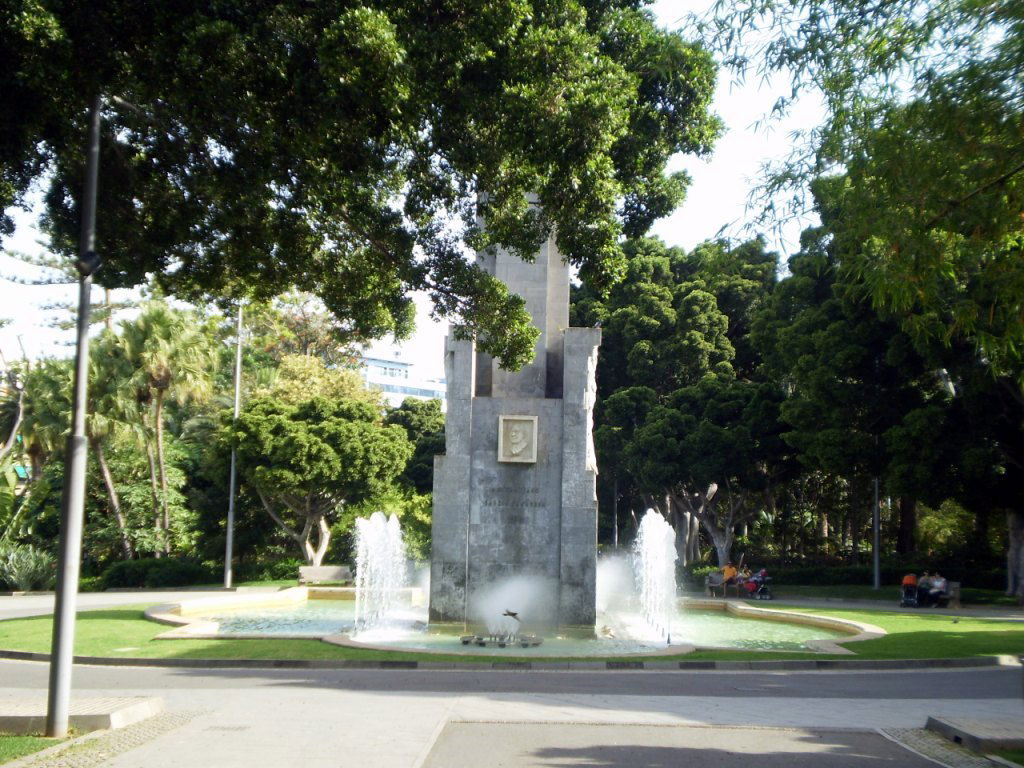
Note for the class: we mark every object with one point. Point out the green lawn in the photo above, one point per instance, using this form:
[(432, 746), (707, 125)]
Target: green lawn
[(13, 746), (1013, 755), (124, 632)]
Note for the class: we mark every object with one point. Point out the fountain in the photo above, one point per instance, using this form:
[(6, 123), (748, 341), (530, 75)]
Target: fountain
[(636, 607), (654, 563), (380, 570), (514, 529)]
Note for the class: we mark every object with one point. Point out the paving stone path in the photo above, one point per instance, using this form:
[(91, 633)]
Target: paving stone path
[(938, 748), (96, 750)]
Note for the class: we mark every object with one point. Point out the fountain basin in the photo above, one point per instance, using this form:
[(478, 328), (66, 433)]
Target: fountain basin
[(328, 613)]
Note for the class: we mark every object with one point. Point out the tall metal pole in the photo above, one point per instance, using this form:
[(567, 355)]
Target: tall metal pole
[(73, 497), (875, 525), (229, 549)]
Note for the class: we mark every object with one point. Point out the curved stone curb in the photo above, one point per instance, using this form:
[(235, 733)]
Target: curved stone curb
[(805, 665)]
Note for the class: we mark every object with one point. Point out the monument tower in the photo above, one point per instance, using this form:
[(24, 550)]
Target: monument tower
[(515, 491)]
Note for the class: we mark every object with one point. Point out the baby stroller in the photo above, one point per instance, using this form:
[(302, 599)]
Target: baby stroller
[(758, 587), (908, 596)]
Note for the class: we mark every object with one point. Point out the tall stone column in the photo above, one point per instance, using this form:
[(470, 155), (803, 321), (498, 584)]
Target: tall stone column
[(514, 495)]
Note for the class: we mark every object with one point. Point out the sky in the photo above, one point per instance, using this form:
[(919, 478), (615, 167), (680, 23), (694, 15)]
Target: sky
[(716, 204)]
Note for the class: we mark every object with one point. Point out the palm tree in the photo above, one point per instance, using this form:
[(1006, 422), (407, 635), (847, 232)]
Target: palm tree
[(46, 415), (112, 409), (172, 360)]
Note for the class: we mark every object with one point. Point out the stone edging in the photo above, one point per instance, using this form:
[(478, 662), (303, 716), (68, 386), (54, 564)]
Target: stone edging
[(590, 666), (183, 616)]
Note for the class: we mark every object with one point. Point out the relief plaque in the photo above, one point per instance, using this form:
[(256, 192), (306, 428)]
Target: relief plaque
[(517, 439)]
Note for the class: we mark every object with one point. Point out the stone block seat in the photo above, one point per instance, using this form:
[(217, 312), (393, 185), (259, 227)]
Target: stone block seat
[(317, 574), (714, 581)]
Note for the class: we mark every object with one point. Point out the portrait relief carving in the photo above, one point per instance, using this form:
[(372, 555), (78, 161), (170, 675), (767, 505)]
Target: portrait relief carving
[(517, 439)]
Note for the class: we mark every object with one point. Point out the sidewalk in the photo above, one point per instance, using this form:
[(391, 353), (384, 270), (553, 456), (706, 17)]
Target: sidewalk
[(287, 726)]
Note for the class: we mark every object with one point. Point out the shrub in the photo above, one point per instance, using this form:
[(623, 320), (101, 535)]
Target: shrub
[(90, 584), (23, 567), (695, 574), (155, 572)]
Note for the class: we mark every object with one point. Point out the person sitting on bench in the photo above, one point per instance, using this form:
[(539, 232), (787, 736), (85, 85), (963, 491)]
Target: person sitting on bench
[(924, 585), (729, 573), (939, 591)]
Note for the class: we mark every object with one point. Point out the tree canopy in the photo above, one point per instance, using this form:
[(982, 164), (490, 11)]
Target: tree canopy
[(309, 459), (348, 150), (923, 123)]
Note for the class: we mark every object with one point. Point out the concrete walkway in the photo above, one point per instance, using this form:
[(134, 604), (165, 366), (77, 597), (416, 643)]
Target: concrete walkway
[(408, 719)]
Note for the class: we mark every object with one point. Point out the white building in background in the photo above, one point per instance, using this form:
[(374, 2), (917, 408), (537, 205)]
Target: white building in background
[(387, 371)]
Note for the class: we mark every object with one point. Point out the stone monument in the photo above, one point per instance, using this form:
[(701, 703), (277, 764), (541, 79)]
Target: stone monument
[(515, 491)]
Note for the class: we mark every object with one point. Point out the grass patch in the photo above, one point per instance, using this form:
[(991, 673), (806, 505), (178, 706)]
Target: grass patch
[(929, 635), (1013, 755), (13, 746), (126, 633)]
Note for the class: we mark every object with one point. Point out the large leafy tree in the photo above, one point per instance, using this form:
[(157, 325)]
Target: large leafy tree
[(851, 378), (676, 416), (329, 146), (308, 460), (923, 113), (423, 423)]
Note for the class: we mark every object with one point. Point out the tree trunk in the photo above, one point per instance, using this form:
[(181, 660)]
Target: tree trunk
[(154, 492), (823, 531), (722, 540), (108, 321), (162, 465), (323, 540), (1015, 554), (907, 535), (694, 540), (8, 446), (680, 519), (115, 502)]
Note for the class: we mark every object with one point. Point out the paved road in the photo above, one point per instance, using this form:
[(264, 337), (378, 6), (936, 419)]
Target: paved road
[(988, 684)]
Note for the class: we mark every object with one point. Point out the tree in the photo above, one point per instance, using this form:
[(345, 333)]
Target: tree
[(923, 122), (299, 378), (111, 409), (308, 460), (299, 324), (328, 147), (674, 415), (860, 400), (423, 423), (171, 360)]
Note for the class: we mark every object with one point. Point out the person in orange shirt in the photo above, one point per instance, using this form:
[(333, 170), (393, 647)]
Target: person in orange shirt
[(729, 573)]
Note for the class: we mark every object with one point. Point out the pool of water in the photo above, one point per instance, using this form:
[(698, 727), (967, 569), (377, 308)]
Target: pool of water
[(313, 618), (615, 634)]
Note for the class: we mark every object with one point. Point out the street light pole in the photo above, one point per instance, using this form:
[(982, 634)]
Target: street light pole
[(229, 549), (73, 497)]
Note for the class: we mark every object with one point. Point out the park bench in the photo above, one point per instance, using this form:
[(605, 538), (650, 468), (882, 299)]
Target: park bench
[(713, 581), (315, 574), (951, 598)]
